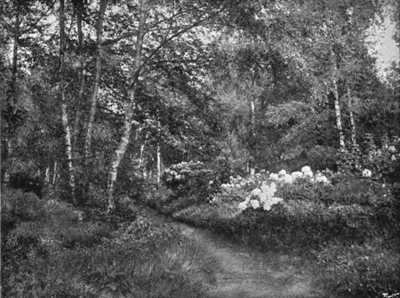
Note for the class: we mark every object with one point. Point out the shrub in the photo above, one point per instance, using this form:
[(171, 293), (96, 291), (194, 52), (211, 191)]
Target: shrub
[(191, 178), (54, 250), (365, 270)]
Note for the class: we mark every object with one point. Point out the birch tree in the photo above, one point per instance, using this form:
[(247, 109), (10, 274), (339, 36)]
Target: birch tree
[(176, 24), (127, 126), (64, 114)]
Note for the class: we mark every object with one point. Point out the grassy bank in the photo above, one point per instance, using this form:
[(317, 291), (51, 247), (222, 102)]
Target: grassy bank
[(50, 249)]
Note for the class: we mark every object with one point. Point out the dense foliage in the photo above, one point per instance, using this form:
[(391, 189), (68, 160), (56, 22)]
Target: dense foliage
[(109, 104), (50, 249), (347, 228)]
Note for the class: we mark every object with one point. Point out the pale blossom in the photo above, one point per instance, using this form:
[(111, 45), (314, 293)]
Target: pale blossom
[(242, 206), (306, 169), (296, 175), (321, 178), (256, 192), (255, 204), (282, 173), (268, 191), (366, 173), (308, 174), (287, 178), (272, 201), (273, 176)]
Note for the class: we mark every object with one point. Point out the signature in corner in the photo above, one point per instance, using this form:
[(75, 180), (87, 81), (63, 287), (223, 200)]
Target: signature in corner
[(386, 295)]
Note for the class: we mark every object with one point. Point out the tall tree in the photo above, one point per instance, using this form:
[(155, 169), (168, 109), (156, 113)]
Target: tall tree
[(132, 89), (62, 84)]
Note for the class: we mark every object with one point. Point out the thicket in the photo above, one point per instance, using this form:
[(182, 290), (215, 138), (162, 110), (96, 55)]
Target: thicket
[(51, 249), (347, 227)]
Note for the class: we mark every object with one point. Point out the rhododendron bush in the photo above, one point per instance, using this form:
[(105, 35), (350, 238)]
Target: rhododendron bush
[(258, 191)]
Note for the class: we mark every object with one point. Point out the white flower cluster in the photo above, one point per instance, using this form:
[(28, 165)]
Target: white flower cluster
[(181, 170), (237, 182), (173, 175), (306, 172), (367, 173), (261, 197)]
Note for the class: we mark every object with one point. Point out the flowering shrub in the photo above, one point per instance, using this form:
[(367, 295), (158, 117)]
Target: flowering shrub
[(371, 161), (259, 189), (261, 197), (187, 178)]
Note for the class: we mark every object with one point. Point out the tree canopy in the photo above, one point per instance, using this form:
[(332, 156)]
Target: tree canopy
[(100, 93)]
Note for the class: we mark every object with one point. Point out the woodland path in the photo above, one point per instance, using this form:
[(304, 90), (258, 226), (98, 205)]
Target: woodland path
[(242, 274)]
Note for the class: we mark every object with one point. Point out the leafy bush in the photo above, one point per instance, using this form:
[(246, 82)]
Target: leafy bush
[(187, 179), (54, 250), (366, 270)]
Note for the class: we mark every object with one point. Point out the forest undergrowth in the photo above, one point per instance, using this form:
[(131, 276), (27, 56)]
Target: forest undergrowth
[(344, 227)]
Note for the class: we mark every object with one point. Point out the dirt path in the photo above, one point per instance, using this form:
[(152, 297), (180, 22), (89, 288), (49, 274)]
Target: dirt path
[(245, 275)]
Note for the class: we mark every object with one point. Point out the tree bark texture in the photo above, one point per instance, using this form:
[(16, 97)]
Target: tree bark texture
[(127, 127), (352, 121), (338, 114), (64, 113)]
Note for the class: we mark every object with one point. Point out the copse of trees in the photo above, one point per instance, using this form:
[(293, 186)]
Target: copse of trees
[(109, 105), (96, 90)]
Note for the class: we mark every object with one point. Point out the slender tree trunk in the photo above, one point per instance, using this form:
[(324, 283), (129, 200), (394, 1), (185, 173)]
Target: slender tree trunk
[(338, 118), (159, 154), (96, 83), (142, 164), (352, 121), (64, 114), (158, 165), (251, 162), (335, 91), (55, 173), (127, 127), (47, 176)]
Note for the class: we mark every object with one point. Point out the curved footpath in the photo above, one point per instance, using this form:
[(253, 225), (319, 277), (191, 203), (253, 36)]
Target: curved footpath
[(245, 275)]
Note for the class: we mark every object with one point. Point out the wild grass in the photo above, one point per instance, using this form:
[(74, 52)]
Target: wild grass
[(50, 250)]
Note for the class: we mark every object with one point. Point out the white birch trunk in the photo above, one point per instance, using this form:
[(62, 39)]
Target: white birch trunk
[(47, 176), (64, 115), (127, 127), (55, 173), (338, 114), (158, 165), (339, 118), (142, 162), (352, 121)]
